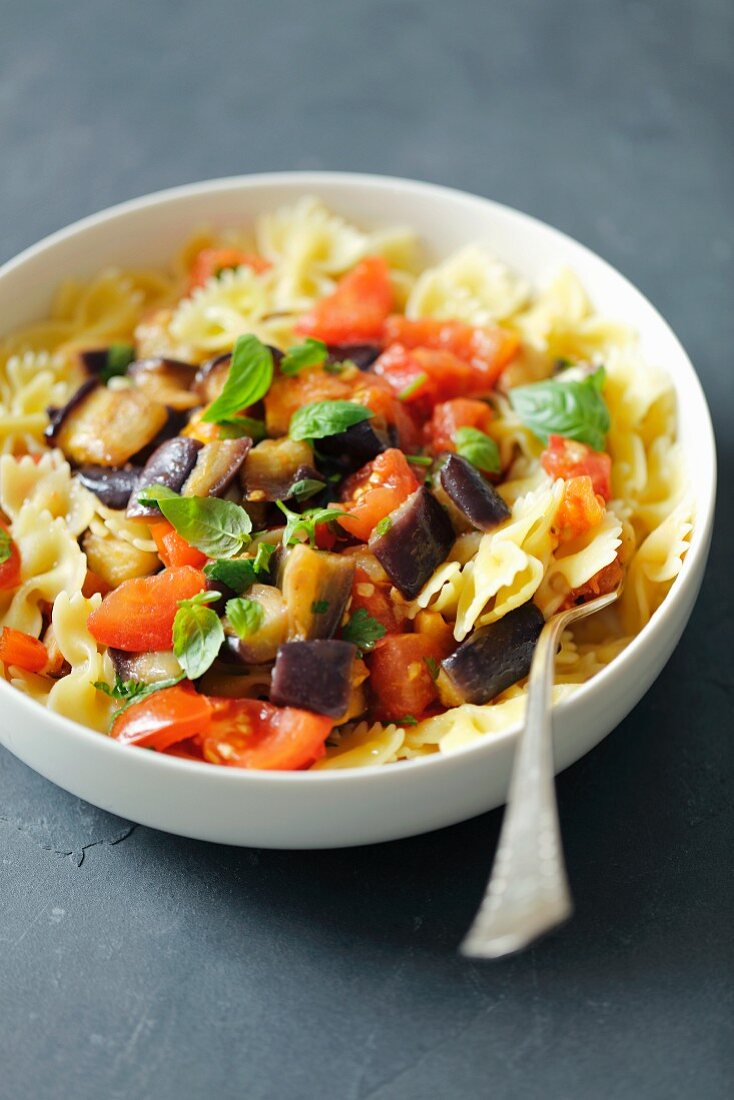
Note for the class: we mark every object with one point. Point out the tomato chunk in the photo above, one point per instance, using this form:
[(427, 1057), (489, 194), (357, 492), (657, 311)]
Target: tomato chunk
[(138, 615), (580, 509), (357, 309), (246, 733), (488, 349), (288, 393), (401, 682), (376, 490), (23, 650), (164, 718), (212, 261), (566, 458), (606, 580), (449, 416), (10, 568), (421, 377), (172, 548), (374, 598)]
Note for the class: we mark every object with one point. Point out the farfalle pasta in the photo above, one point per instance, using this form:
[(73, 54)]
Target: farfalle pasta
[(302, 501)]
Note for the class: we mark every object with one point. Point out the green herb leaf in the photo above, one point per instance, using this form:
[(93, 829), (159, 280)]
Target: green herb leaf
[(6, 545), (119, 358), (245, 616), (197, 634), (363, 630), (408, 720), (419, 460), (132, 691), (320, 607), (305, 523), (339, 368), (248, 380), (236, 427), (307, 487), (323, 418), (308, 354), (239, 574), (383, 526), (412, 387), (478, 448), (570, 408), (432, 666), (219, 528), (263, 555)]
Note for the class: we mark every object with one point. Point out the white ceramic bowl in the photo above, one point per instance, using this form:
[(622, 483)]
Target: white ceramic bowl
[(359, 806)]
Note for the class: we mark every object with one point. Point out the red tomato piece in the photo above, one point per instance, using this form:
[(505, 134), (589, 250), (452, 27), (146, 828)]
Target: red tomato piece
[(10, 568), (374, 598), (212, 261), (580, 510), (246, 733), (357, 309), (172, 548), (449, 416), (606, 580), (23, 650), (488, 349), (378, 395), (401, 683), (138, 615), (421, 377), (376, 490), (164, 718), (566, 458)]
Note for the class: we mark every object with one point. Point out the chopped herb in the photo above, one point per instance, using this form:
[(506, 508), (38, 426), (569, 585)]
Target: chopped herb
[(6, 545), (307, 487), (324, 418), (197, 634), (563, 364), (408, 720), (245, 616), (319, 607), (383, 526), (248, 380), (219, 528), (574, 409), (432, 666), (236, 427), (263, 555), (133, 691), (412, 388), (305, 523), (308, 354), (239, 574), (338, 368), (419, 460), (119, 358), (478, 448), (363, 631)]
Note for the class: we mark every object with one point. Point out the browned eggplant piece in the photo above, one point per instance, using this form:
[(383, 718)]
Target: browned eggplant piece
[(115, 560), (492, 659), (419, 535), (314, 676), (356, 446), (113, 487), (210, 378), (316, 585), (362, 355), (169, 465), (146, 668), (274, 466), (168, 381), (93, 360), (260, 647), (217, 465), (57, 416), (106, 427), (470, 494)]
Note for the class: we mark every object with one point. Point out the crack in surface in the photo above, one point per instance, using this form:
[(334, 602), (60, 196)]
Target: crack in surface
[(77, 854)]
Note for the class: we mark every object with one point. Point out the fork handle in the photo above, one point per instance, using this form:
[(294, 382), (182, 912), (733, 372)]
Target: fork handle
[(528, 890)]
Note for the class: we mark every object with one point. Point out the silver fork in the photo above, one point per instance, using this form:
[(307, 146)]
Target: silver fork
[(527, 894)]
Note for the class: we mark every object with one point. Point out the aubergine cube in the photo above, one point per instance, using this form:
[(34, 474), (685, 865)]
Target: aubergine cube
[(217, 465), (316, 586), (112, 487), (471, 494), (362, 355), (492, 659), (169, 465), (166, 380), (105, 427), (58, 416), (354, 447), (314, 676), (418, 538)]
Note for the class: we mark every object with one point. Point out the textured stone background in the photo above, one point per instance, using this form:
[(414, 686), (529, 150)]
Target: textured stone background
[(136, 965)]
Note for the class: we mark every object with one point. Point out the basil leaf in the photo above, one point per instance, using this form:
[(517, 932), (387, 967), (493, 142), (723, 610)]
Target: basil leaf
[(132, 691), (197, 635), (249, 378), (322, 418), (236, 427), (264, 553), (362, 630), (308, 354), (245, 616), (305, 523), (307, 487), (6, 545), (239, 574), (478, 448), (572, 409), (219, 528), (119, 358)]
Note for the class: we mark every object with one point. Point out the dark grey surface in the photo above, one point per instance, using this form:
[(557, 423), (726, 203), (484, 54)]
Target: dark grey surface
[(134, 964)]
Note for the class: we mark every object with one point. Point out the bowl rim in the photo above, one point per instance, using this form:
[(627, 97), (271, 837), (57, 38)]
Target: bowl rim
[(684, 584)]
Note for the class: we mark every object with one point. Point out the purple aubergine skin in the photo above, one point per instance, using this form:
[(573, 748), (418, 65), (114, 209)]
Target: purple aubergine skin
[(94, 360), (56, 417), (418, 539), (169, 465), (354, 447), (362, 355), (474, 497), (314, 676), (112, 486), (494, 657)]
